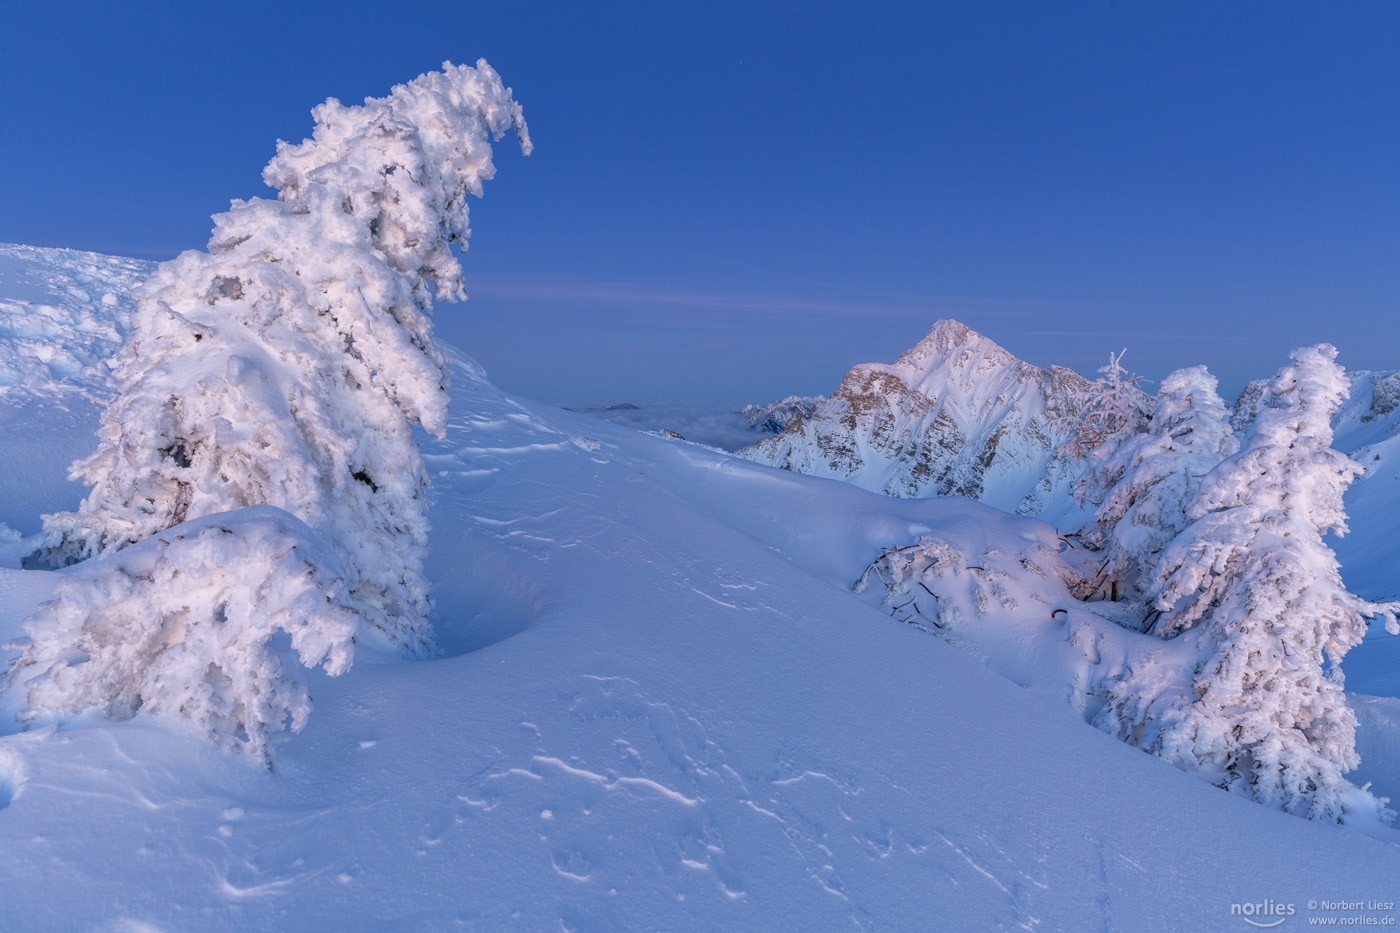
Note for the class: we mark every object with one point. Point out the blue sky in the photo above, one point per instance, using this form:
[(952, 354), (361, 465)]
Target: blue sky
[(741, 200)]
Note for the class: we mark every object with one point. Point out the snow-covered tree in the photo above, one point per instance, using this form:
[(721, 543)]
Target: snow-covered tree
[(1143, 488), (287, 365), (1104, 412), (1256, 592), (181, 625)]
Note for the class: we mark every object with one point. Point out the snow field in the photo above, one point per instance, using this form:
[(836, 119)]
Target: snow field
[(661, 708)]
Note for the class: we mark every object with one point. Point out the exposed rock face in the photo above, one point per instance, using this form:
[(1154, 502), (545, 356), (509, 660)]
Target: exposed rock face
[(1385, 396), (773, 417), (954, 415)]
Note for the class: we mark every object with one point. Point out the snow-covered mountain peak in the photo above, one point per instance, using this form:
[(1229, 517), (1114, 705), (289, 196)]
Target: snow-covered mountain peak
[(951, 344), (955, 414), (969, 371)]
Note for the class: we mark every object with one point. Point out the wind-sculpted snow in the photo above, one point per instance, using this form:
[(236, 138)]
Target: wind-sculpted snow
[(62, 313), (698, 727), (954, 415)]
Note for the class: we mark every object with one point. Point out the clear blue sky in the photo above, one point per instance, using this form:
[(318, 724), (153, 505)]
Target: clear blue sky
[(744, 199)]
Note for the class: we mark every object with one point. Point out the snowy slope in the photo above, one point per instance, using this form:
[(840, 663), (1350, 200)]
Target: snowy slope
[(62, 313), (662, 708)]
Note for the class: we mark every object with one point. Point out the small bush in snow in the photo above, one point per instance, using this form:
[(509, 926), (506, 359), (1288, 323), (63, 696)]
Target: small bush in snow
[(181, 625), (286, 365), (1253, 585), (931, 584)]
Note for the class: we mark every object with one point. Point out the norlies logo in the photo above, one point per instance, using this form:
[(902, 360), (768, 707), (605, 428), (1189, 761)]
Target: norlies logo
[(1264, 914)]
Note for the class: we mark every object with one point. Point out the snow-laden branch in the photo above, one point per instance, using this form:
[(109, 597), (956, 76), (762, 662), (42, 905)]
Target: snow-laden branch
[(181, 625)]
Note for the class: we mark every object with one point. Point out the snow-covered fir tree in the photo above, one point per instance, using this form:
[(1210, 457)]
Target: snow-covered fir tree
[(1256, 593), (1143, 488), (287, 365)]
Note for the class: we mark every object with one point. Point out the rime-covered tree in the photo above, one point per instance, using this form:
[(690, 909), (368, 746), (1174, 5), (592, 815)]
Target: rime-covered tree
[(1104, 412), (1253, 586), (1143, 488), (287, 365)]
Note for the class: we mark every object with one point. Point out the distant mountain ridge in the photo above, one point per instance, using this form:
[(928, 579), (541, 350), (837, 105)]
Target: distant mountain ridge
[(955, 415), (959, 415), (773, 417)]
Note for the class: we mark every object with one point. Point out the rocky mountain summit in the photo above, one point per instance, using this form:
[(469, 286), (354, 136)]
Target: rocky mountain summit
[(954, 415)]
